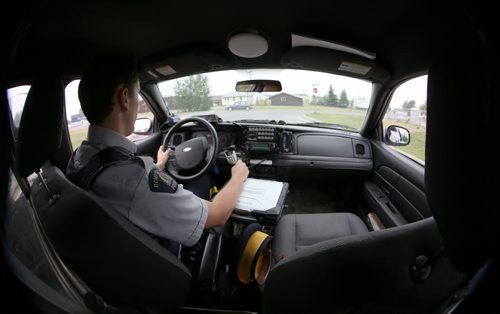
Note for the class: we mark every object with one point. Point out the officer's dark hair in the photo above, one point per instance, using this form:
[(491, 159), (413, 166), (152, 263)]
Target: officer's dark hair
[(99, 82)]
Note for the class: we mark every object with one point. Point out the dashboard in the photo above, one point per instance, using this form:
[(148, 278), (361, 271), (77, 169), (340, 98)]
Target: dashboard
[(279, 148)]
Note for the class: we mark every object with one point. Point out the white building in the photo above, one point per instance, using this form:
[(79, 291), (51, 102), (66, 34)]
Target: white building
[(231, 98)]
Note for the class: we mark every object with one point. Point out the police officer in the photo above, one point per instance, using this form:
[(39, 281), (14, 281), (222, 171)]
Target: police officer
[(135, 186)]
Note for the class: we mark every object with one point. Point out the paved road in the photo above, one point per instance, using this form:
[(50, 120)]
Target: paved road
[(289, 115)]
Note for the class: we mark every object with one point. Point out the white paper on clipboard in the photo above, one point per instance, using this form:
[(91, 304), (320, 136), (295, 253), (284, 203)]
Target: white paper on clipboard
[(259, 194)]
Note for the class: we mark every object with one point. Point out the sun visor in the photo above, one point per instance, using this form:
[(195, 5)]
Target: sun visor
[(332, 61), (189, 62)]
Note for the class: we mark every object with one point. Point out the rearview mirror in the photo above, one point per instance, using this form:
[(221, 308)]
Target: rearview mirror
[(258, 86), (142, 126), (397, 136)]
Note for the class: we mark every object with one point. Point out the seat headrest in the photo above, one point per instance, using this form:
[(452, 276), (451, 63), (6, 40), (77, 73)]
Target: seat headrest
[(40, 129), (461, 166)]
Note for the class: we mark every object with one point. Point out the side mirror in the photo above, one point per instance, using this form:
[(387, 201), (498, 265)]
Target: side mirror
[(142, 126), (397, 136), (258, 86)]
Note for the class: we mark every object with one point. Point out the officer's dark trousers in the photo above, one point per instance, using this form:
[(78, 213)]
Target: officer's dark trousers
[(200, 187)]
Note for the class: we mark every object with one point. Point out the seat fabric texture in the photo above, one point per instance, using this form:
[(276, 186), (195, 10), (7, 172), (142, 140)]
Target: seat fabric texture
[(295, 232), (364, 273)]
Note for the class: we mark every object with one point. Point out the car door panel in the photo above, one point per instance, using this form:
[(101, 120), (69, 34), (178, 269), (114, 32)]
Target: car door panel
[(396, 191), (382, 205)]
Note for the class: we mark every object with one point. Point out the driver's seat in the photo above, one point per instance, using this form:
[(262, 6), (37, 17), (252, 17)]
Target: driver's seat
[(113, 257)]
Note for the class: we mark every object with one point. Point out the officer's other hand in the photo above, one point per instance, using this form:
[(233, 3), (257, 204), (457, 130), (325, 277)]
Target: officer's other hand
[(239, 171), (162, 157)]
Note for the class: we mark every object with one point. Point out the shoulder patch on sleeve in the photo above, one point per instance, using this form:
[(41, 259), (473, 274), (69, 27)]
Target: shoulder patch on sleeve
[(159, 181)]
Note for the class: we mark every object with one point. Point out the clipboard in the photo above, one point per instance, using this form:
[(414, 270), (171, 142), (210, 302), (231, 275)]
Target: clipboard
[(261, 199)]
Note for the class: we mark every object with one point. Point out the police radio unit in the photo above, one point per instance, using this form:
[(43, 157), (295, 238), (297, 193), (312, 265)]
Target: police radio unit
[(261, 139)]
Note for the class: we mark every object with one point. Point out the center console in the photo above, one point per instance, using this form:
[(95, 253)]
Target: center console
[(261, 139), (214, 265), (215, 269), (267, 140), (263, 145)]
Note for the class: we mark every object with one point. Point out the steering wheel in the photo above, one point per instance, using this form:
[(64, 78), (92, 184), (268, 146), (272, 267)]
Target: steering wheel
[(193, 157)]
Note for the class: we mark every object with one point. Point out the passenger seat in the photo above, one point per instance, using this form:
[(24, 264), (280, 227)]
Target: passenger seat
[(295, 232)]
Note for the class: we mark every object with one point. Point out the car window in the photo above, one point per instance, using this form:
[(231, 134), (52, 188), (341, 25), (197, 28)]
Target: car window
[(143, 111), (307, 98), (17, 97), (408, 108), (77, 122)]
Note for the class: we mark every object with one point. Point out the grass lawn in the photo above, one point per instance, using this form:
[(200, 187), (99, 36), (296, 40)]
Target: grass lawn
[(416, 147), (310, 107), (77, 135), (353, 121)]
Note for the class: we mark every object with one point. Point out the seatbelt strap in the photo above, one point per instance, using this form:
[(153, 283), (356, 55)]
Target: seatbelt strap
[(84, 177), (454, 303)]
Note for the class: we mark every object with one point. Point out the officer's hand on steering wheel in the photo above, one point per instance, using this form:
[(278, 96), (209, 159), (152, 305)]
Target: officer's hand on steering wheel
[(162, 157), (195, 156)]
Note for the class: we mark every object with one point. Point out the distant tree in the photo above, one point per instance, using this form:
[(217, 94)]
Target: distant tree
[(192, 94), (423, 107), (408, 104), (319, 100), (332, 99), (343, 101), (261, 102)]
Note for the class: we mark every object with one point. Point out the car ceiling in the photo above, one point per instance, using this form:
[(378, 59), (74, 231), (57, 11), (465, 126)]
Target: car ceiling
[(405, 35)]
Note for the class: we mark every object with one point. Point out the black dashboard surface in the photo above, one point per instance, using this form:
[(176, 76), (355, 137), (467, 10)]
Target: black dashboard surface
[(288, 146)]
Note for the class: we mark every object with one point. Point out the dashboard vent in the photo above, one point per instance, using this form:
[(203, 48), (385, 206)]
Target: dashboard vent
[(286, 142), (360, 149)]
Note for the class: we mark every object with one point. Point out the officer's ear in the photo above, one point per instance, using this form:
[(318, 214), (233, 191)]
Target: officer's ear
[(122, 97)]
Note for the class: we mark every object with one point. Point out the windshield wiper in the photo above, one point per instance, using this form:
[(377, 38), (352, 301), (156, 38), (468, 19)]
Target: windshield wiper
[(329, 125)]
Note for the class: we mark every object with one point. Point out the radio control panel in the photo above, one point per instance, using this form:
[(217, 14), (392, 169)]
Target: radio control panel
[(261, 139)]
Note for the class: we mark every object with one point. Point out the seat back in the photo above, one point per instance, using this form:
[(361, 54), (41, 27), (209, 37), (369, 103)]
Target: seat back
[(462, 132), (374, 272), (41, 125), (113, 257), (461, 169)]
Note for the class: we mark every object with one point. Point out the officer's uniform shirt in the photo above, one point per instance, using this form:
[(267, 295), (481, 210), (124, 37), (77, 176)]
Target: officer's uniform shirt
[(147, 196)]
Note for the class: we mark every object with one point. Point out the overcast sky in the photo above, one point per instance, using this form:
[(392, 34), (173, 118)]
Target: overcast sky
[(414, 89)]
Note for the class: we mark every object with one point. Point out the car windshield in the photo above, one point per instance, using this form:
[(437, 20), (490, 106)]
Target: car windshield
[(307, 98)]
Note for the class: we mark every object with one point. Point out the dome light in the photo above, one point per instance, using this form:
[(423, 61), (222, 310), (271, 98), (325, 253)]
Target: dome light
[(248, 45)]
